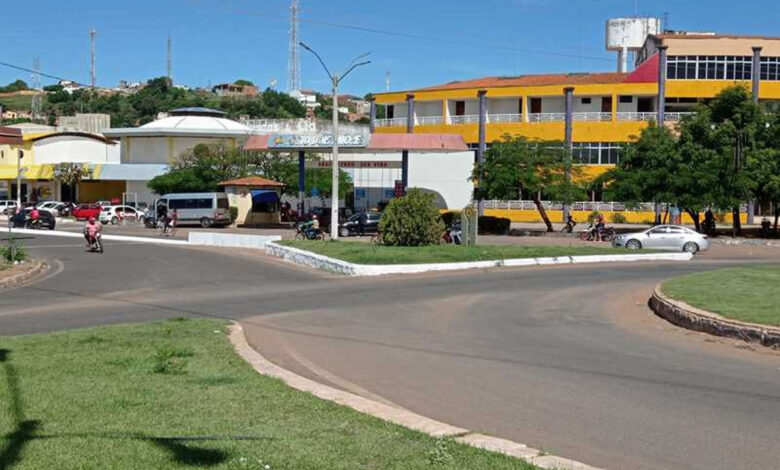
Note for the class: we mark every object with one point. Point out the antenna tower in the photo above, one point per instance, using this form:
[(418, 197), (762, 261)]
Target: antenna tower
[(36, 105), (294, 65), (169, 67), (387, 81), (92, 74)]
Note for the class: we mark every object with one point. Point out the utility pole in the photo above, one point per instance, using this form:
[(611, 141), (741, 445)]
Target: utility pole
[(335, 79), (92, 74), (169, 62), (294, 62), (19, 180)]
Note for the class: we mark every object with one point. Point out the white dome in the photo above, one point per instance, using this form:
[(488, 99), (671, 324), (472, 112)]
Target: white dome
[(196, 123)]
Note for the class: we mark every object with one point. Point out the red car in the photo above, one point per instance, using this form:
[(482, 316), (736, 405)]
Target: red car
[(85, 211)]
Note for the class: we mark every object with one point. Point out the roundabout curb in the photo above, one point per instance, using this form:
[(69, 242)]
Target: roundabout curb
[(399, 416), (32, 269), (686, 316)]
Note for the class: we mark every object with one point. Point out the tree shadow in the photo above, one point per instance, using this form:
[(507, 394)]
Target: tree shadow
[(23, 428), (189, 455)]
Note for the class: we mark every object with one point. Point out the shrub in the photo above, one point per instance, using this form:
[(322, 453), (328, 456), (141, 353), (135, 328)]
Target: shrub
[(13, 252), (493, 225), (233, 213), (618, 218), (411, 220)]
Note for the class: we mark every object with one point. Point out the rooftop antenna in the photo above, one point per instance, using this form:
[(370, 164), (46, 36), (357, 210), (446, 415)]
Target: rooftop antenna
[(36, 105), (387, 80), (294, 64), (170, 60), (92, 74)]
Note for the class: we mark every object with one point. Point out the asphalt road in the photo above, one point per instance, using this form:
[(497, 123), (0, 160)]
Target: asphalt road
[(566, 358)]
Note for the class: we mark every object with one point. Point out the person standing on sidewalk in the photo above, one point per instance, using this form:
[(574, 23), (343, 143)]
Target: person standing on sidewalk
[(362, 221)]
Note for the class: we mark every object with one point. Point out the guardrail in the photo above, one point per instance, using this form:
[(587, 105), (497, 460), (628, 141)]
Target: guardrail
[(498, 118), (392, 122), (592, 116), (466, 119), (428, 120), (587, 206), (546, 117)]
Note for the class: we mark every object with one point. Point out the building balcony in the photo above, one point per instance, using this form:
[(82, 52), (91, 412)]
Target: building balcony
[(532, 118)]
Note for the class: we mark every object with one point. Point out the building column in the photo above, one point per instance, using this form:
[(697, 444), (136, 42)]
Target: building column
[(301, 181), (372, 115), (409, 130), (614, 107), (756, 76), (481, 144), (661, 84), (568, 137)]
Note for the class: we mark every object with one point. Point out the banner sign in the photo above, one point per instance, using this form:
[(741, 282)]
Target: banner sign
[(355, 164), (304, 141)]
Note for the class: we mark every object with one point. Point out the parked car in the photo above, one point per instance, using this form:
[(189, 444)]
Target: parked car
[(85, 211), (664, 237), (7, 207), (47, 220), (350, 227), (114, 214), (50, 206), (323, 214), (206, 209)]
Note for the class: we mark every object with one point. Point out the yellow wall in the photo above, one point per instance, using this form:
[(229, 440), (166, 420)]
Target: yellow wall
[(556, 216)]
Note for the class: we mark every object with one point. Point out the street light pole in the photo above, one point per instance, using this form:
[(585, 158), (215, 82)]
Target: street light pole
[(19, 180), (335, 80)]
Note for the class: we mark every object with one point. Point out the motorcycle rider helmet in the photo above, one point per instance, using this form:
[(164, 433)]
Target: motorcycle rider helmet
[(314, 216), (91, 220)]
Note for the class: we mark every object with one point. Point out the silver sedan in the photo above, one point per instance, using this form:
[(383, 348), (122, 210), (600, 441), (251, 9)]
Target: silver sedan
[(664, 237)]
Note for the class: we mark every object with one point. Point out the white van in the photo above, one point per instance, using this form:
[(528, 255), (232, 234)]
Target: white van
[(206, 209)]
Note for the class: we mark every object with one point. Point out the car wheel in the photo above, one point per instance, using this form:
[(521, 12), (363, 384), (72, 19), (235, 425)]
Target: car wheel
[(633, 245), (691, 247), (344, 232), (206, 222), (114, 220)]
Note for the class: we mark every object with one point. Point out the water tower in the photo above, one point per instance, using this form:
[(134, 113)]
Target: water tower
[(629, 34)]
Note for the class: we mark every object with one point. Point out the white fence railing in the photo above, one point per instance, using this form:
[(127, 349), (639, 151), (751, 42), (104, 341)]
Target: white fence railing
[(498, 118), (428, 120), (587, 206), (598, 117), (467, 119), (650, 116), (392, 122), (546, 117)]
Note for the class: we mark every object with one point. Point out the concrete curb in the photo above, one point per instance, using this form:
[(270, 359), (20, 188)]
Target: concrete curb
[(32, 269), (395, 415), (123, 238), (692, 318), (325, 263)]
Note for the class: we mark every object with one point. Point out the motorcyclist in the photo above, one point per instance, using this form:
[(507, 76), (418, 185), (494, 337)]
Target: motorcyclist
[(91, 229), (35, 217), (312, 227), (600, 226), (171, 221)]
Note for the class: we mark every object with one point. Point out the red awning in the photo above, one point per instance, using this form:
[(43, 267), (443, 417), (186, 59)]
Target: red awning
[(379, 143), (11, 135)]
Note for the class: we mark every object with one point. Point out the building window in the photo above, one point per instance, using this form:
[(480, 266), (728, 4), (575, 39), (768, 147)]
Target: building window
[(712, 67), (585, 100), (390, 111), (596, 153), (626, 99), (460, 108), (770, 68)]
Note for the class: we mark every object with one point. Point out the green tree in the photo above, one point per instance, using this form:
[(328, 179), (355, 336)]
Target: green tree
[(411, 220), (513, 164), (202, 168), (16, 85), (243, 82), (319, 182), (71, 174)]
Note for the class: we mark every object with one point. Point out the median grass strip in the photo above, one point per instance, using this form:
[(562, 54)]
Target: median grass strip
[(744, 294), (366, 253), (174, 394)]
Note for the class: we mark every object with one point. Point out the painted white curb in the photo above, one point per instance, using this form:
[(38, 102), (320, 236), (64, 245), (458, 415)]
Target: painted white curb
[(123, 238), (231, 239), (327, 263), (395, 415)]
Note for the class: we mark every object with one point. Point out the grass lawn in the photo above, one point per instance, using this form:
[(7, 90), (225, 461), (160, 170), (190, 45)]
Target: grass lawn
[(745, 294), (174, 394), (16, 102), (366, 253)]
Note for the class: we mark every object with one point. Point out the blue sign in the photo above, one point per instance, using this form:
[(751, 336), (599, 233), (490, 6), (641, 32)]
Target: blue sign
[(389, 193), (360, 193)]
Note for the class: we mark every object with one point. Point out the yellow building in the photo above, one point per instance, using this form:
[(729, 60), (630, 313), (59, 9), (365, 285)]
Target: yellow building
[(608, 109)]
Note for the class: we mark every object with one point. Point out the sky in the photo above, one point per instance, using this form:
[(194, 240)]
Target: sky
[(418, 42)]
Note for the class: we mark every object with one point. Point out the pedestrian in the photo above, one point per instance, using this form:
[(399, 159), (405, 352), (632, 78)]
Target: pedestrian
[(362, 221)]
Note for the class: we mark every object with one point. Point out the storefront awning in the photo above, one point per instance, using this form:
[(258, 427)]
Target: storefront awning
[(264, 195)]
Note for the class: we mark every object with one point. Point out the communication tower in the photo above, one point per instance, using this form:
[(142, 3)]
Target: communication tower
[(294, 65)]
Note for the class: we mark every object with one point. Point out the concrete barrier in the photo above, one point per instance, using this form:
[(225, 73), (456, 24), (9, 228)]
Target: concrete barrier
[(231, 239)]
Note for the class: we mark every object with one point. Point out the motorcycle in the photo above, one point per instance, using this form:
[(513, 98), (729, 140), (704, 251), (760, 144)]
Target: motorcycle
[(96, 244), (606, 234), (569, 227), (453, 234), (302, 234)]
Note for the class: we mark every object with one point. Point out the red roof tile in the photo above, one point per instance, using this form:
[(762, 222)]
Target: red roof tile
[(251, 181), (10, 135), (693, 35), (533, 80)]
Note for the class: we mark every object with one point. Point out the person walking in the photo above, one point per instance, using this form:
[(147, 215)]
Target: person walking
[(362, 221)]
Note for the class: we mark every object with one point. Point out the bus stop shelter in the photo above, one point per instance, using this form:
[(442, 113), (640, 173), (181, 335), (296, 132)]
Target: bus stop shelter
[(358, 144)]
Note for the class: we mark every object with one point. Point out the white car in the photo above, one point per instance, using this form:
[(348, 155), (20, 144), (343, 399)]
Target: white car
[(6, 207), (664, 237), (115, 214), (53, 207)]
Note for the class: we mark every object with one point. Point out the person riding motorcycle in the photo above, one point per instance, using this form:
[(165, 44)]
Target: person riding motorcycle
[(91, 229), (35, 217), (311, 228), (600, 226)]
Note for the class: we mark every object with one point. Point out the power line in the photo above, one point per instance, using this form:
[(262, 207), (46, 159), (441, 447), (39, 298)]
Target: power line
[(25, 69), (384, 32)]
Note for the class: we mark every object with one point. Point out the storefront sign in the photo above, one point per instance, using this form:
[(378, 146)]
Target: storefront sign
[(355, 164), (304, 141)]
